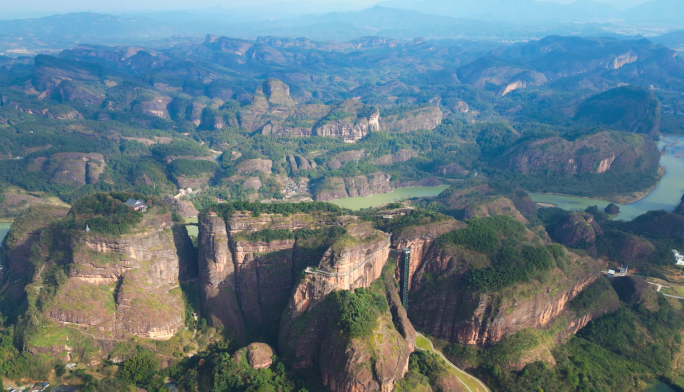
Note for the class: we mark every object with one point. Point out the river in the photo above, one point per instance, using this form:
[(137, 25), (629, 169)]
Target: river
[(657, 386), (357, 203), (666, 195), (4, 229)]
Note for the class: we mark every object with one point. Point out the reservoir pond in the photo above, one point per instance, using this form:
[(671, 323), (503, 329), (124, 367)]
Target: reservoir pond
[(357, 203), (666, 195)]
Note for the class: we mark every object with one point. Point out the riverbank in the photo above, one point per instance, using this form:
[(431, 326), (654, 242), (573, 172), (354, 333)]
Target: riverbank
[(625, 200)]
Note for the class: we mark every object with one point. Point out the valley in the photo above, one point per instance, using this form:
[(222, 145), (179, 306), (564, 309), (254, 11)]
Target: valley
[(236, 209)]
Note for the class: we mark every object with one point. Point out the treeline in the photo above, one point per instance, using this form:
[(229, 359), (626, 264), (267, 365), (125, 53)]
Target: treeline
[(226, 210), (106, 213)]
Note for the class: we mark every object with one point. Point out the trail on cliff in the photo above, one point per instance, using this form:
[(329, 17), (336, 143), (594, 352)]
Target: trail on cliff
[(471, 383)]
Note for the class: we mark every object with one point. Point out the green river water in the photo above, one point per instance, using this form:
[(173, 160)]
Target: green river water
[(4, 229), (357, 203), (666, 195), (657, 386)]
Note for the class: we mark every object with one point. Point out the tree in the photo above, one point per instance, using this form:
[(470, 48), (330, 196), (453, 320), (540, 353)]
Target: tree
[(139, 369), (612, 209)]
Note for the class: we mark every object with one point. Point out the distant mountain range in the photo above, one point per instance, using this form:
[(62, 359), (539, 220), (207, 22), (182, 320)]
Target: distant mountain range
[(670, 11), (495, 20)]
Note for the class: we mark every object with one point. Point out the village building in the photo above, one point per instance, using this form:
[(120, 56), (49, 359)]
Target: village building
[(137, 205)]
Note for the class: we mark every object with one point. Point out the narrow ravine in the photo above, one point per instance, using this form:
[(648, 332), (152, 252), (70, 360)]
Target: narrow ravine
[(470, 383)]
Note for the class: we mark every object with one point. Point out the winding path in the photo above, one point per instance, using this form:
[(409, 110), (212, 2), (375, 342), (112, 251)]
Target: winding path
[(470, 383)]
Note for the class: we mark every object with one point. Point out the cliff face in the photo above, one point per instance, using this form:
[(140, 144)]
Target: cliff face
[(425, 118), (399, 156), (123, 286), (354, 261), (420, 240), (246, 284), (598, 153), (340, 188), (441, 309), (217, 277)]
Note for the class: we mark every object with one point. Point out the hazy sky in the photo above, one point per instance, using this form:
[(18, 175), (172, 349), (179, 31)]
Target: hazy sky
[(64, 6)]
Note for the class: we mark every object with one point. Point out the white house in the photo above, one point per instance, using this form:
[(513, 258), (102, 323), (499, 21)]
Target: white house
[(679, 258)]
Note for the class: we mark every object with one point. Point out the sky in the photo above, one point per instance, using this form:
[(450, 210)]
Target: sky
[(28, 8)]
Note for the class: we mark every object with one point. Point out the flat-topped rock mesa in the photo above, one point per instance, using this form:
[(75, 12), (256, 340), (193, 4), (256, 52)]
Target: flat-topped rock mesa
[(342, 187), (124, 285), (103, 286), (354, 260), (597, 153)]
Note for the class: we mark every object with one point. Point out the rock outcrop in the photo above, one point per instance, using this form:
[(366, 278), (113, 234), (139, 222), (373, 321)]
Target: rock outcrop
[(494, 206), (347, 122), (348, 364), (597, 153), (577, 230), (258, 355), (425, 118), (71, 168), (340, 188), (400, 156)]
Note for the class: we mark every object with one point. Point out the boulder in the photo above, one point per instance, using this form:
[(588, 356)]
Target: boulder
[(259, 355)]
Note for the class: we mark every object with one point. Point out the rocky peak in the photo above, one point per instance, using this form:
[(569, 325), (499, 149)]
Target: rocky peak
[(277, 93), (494, 206), (577, 230)]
